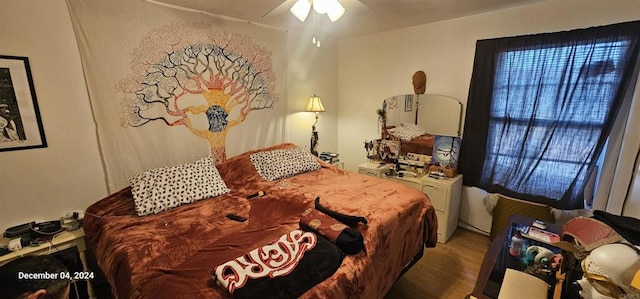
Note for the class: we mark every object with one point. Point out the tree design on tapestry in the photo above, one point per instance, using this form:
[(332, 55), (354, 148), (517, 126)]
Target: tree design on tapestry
[(228, 74)]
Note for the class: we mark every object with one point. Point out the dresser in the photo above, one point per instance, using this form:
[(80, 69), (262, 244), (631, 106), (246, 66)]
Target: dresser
[(374, 169), (445, 197), (443, 193)]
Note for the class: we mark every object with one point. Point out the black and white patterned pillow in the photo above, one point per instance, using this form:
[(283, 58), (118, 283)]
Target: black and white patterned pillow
[(161, 189), (283, 163)]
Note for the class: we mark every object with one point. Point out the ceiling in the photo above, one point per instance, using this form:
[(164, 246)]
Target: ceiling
[(361, 17)]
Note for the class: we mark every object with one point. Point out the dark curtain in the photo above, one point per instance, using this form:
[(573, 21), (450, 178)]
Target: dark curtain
[(541, 108)]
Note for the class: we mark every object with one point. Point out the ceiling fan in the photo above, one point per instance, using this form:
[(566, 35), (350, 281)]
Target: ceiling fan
[(333, 8)]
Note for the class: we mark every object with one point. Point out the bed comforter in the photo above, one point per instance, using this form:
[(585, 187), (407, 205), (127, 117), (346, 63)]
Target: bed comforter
[(171, 254)]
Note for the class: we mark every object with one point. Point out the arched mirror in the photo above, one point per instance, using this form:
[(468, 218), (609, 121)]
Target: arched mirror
[(436, 114), (421, 130)]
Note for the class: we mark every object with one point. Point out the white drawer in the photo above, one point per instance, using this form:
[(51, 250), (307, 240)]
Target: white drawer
[(410, 182), (437, 194), (373, 169), (368, 172), (442, 226)]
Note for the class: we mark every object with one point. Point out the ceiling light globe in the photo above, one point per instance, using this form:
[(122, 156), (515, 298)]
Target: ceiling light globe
[(322, 6), (335, 11), (301, 9)]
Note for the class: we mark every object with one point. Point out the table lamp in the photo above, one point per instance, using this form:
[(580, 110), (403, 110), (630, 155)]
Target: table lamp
[(315, 105)]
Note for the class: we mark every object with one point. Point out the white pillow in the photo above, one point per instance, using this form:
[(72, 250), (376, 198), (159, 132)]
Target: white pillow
[(407, 131), (283, 163), (161, 189)]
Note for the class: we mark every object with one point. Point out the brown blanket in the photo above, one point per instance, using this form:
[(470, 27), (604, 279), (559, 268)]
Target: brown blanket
[(170, 254)]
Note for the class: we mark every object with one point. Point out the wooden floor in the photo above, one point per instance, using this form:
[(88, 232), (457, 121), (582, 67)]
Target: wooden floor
[(447, 271)]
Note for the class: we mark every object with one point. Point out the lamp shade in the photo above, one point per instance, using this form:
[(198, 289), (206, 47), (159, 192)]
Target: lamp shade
[(301, 9), (315, 104), (335, 11)]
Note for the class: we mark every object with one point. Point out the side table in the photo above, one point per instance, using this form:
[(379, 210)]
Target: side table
[(497, 259), (338, 164), (62, 241)]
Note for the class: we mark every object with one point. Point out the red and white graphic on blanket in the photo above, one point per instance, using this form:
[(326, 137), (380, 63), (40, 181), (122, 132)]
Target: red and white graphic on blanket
[(273, 260)]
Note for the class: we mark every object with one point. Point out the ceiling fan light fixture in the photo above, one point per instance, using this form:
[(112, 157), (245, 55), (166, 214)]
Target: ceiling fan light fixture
[(321, 6), (335, 11), (332, 8), (301, 9)]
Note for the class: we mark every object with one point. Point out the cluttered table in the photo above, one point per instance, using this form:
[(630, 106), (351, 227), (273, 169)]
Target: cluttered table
[(520, 246)]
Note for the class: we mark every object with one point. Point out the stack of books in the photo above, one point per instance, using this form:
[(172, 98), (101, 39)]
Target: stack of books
[(330, 157)]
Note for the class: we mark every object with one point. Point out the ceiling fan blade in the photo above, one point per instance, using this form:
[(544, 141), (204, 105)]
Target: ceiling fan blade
[(280, 9), (355, 7)]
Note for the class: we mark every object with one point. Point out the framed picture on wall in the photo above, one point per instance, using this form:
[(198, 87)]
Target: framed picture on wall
[(20, 123), (408, 103)]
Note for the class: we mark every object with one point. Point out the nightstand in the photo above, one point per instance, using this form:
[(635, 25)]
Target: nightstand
[(374, 169), (62, 241), (338, 164)]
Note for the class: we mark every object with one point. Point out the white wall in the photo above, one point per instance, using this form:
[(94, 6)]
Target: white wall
[(631, 207), (43, 184), (312, 70), (377, 66)]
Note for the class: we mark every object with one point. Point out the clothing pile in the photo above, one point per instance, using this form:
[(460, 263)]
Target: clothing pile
[(608, 248), (295, 262)]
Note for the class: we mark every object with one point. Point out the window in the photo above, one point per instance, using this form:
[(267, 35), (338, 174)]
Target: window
[(543, 116)]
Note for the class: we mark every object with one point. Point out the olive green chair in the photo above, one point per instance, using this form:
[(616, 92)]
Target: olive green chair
[(508, 206)]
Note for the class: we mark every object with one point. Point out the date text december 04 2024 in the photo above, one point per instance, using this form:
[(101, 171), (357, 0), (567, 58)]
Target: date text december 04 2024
[(56, 275)]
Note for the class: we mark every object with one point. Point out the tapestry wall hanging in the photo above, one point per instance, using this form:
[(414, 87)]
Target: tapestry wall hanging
[(20, 123), (169, 86)]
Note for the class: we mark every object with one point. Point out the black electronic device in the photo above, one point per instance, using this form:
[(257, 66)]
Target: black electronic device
[(19, 230), (254, 195), (236, 217), (34, 230), (47, 228)]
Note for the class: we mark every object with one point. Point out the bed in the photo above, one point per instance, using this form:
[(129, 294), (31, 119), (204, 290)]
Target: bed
[(171, 254)]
